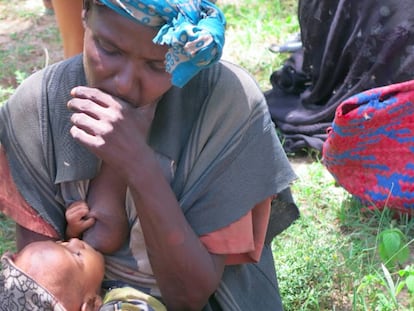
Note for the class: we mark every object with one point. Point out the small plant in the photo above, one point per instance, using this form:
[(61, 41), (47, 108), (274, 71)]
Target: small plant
[(20, 76), (384, 287), (5, 93), (392, 247), (407, 282), (370, 294)]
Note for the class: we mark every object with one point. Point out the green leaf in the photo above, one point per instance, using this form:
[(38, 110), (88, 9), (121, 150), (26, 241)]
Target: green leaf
[(392, 247), (410, 283), (399, 287), (391, 242)]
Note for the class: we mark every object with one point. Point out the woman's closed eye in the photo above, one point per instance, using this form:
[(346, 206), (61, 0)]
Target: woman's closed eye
[(106, 47)]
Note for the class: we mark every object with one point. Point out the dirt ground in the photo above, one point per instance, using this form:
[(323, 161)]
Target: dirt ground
[(9, 24), (29, 39)]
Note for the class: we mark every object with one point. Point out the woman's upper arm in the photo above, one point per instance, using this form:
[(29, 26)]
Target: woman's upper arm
[(13, 205)]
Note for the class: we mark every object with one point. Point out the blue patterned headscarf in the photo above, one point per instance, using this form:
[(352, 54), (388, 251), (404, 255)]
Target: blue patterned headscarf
[(194, 30)]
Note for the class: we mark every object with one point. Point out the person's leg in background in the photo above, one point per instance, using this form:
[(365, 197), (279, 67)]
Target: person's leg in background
[(68, 16), (48, 7)]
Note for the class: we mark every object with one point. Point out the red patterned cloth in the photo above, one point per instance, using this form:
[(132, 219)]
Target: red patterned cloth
[(370, 146)]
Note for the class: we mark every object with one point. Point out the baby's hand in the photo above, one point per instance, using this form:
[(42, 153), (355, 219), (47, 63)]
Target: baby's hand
[(78, 218)]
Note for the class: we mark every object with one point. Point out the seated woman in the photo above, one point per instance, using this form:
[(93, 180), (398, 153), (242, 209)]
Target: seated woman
[(196, 188)]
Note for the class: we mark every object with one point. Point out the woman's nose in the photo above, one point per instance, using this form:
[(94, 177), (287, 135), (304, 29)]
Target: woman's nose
[(126, 82)]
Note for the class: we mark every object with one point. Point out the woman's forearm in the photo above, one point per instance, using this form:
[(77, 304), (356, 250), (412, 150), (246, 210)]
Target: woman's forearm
[(186, 272)]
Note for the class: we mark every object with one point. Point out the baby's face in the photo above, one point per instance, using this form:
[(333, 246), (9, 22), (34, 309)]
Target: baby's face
[(63, 267)]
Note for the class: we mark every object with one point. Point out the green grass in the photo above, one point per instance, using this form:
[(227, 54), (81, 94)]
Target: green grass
[(252, 26), (306, 254), (6, 234), (327, 260), (30, 37)]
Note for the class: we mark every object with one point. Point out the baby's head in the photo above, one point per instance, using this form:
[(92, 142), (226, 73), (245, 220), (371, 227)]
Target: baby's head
[(53, 276)]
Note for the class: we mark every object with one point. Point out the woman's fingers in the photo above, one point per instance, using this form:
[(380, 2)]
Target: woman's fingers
[(109, 127), (92, 94), (86, 106), (91, 125), (87, 138)]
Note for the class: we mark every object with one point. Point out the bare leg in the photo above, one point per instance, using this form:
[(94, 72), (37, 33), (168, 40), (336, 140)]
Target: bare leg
[(68, 16), (48, 4)]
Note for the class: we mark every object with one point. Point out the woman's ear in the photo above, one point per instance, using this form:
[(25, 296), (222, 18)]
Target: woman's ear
[(93, 304), (84, 17), (85, 11)]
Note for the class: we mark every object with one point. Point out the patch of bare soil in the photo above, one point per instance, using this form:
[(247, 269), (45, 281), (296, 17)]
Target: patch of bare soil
[(28, 42)]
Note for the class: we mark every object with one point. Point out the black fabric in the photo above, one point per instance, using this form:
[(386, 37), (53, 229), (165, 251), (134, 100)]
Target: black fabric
[(348, 46), (282, 214)]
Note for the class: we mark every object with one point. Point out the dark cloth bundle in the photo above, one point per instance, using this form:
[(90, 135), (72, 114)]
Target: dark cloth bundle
[(348, 46)]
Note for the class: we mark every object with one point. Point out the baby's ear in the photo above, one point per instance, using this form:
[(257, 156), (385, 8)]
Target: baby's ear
[(93, 304)]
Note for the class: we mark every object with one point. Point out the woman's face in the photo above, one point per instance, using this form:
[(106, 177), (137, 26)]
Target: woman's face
[(121, 59)]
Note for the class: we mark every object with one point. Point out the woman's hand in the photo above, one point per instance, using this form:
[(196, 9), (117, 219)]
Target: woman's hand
[(115, 131)]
